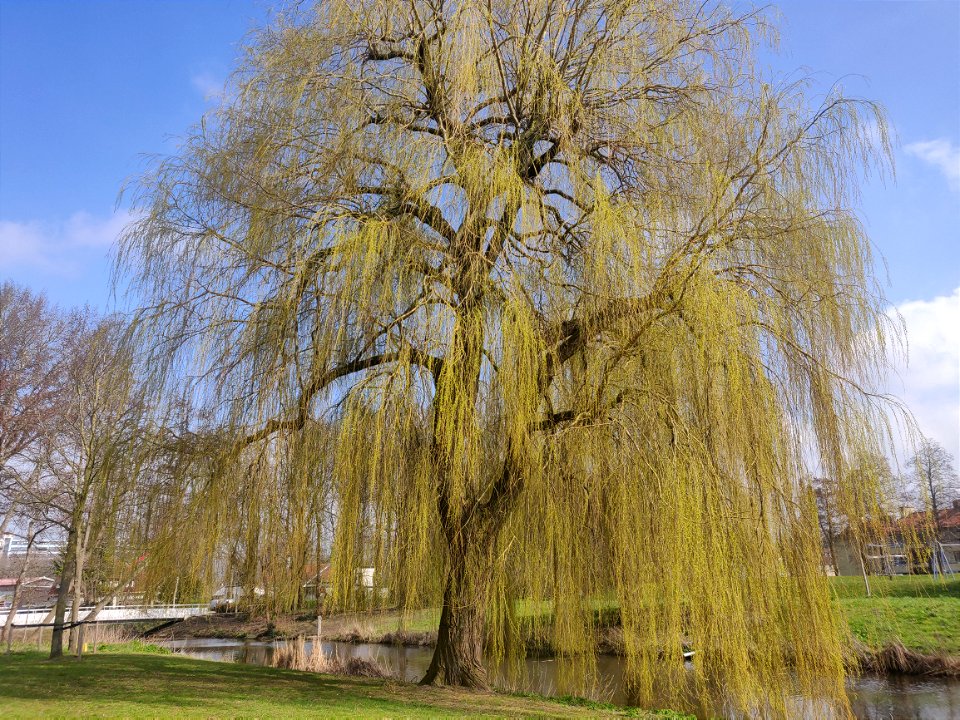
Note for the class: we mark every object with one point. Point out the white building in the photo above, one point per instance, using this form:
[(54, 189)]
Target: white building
[(16, 546)]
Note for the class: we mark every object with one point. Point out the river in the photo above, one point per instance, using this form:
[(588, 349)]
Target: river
[(873, 697)]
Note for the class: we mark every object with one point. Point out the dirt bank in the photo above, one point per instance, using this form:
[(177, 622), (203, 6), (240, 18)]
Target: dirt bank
[(244, 626)]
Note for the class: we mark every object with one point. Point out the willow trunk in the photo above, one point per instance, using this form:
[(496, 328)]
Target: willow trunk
[(458, 658)]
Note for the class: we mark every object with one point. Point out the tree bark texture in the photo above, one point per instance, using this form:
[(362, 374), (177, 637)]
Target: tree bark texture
[(63, 592), (458, 655), (77, 590)]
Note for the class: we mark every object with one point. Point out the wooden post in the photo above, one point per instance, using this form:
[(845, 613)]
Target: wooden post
[(863, 569)]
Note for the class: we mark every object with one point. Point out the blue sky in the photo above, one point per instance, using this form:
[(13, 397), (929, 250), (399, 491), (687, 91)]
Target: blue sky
[(89, 89)]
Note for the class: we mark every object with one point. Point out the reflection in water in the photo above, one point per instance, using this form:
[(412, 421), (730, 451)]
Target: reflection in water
[(873, 697), (908, 697)]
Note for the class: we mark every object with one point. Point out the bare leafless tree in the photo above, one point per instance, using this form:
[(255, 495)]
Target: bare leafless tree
[(32, 369), (89, 460), (935, 477)]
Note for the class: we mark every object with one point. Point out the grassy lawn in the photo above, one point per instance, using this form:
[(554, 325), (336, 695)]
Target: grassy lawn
[(914, 586), (378, 623), (921, 612), (164, 685)]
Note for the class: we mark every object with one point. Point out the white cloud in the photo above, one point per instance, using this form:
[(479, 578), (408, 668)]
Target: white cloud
[(931, 377), (208, 85), (942, 154), (63, 248)]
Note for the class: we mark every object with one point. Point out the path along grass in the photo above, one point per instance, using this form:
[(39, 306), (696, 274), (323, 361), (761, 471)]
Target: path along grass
[(145, 683)]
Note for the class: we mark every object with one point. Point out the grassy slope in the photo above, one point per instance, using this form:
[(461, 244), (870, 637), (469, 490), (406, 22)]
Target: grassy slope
[(164, 685), (923, 613)]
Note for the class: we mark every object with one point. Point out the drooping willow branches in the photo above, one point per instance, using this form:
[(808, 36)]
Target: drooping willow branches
[(549, 301)]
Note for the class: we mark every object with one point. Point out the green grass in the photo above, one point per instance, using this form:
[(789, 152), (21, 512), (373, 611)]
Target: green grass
[(163, 685), (414, 621), (606, 612), (921, 612), (632, 712), (916, 586), (133, 646)]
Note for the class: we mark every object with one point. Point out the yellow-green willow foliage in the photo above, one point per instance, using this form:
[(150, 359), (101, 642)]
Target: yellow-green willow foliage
[(578, 292)]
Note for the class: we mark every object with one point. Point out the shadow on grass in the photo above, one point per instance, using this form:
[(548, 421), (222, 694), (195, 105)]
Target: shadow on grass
[(134, 685), (178, 682)]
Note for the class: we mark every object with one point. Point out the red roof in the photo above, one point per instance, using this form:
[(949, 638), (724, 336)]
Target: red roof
[(949, 518), (310, 572)]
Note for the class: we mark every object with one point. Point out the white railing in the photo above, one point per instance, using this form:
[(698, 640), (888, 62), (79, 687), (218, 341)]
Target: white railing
[(113, 613)]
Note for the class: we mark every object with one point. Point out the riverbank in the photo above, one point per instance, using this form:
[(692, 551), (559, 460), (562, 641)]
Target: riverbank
[(151, 683), (910, 624), (386, 626)]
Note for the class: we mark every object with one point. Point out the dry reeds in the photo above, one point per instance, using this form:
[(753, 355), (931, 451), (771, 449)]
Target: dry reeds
[(357, 634), (896, 658), (103, 634), (294, 656), (408, 638)]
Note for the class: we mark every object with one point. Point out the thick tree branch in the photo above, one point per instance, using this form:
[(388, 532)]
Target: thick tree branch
[(297, 422)]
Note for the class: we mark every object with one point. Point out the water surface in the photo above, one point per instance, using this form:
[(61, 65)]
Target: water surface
[(899, 697)]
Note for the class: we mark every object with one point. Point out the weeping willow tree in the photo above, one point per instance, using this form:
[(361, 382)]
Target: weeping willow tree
[(580, 293)]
